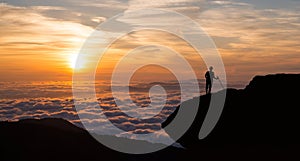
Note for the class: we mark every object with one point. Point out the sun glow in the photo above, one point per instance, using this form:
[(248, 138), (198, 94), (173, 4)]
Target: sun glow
[(73, 60), (76, 63)]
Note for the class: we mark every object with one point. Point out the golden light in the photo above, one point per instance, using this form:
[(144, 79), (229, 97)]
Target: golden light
[(75, 63), (72, 60)]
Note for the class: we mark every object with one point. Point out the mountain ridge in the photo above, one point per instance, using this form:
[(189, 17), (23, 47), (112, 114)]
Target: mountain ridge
[(264, 114), (258, 123)]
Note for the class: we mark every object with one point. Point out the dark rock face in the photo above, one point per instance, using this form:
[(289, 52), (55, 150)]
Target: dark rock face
[(59, 140), (260, 122), (262, 119)]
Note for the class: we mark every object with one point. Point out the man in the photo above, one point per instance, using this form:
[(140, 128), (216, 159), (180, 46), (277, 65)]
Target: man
[(209, 76)]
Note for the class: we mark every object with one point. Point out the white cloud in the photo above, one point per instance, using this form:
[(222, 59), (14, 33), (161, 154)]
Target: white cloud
[(98, 19), (16, 107), (253, 41), (47, 8)]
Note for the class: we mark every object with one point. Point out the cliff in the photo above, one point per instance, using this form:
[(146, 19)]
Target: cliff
[(260, 122)]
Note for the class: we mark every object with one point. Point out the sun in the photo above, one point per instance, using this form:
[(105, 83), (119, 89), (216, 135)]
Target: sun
[(73, 60)]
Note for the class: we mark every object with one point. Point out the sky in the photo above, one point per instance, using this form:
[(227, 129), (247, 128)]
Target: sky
[(40, 40)]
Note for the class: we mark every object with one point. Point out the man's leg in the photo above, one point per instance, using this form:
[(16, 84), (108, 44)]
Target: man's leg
[(210, 85), (207, 87)]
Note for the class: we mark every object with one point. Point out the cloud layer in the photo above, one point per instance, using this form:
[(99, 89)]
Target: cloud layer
[(53, 100)]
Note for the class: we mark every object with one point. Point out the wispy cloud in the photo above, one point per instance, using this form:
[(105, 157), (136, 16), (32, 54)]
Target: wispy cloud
[(256, 41), (48, 41), (254, 37)]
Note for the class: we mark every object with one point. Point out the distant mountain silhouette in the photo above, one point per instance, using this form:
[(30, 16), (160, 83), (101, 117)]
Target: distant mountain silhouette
[(59, 140), (260, 122)]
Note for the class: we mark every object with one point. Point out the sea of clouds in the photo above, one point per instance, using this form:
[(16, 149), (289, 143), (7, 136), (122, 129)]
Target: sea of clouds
[(26, 100)]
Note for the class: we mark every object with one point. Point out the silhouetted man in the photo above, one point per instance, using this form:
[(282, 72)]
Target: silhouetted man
[(209, 76)]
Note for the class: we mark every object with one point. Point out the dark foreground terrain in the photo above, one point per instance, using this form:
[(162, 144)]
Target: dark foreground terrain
[(260, 122)]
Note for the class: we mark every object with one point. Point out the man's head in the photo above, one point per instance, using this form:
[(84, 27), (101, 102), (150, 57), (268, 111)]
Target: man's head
[(211, 68)]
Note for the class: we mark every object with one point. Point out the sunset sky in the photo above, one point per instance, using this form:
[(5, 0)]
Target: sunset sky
[(39, 40)]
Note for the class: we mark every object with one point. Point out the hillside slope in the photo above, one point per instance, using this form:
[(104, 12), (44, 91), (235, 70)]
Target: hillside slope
[(260, 122)]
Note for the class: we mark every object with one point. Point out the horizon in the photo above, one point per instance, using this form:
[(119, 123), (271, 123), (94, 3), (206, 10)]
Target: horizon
[(50, 54)]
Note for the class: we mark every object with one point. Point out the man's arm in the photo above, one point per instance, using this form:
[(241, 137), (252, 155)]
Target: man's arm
[(215, 76), (206, 74)]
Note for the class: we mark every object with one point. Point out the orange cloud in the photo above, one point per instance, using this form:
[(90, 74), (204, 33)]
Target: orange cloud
[(37, 47)]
